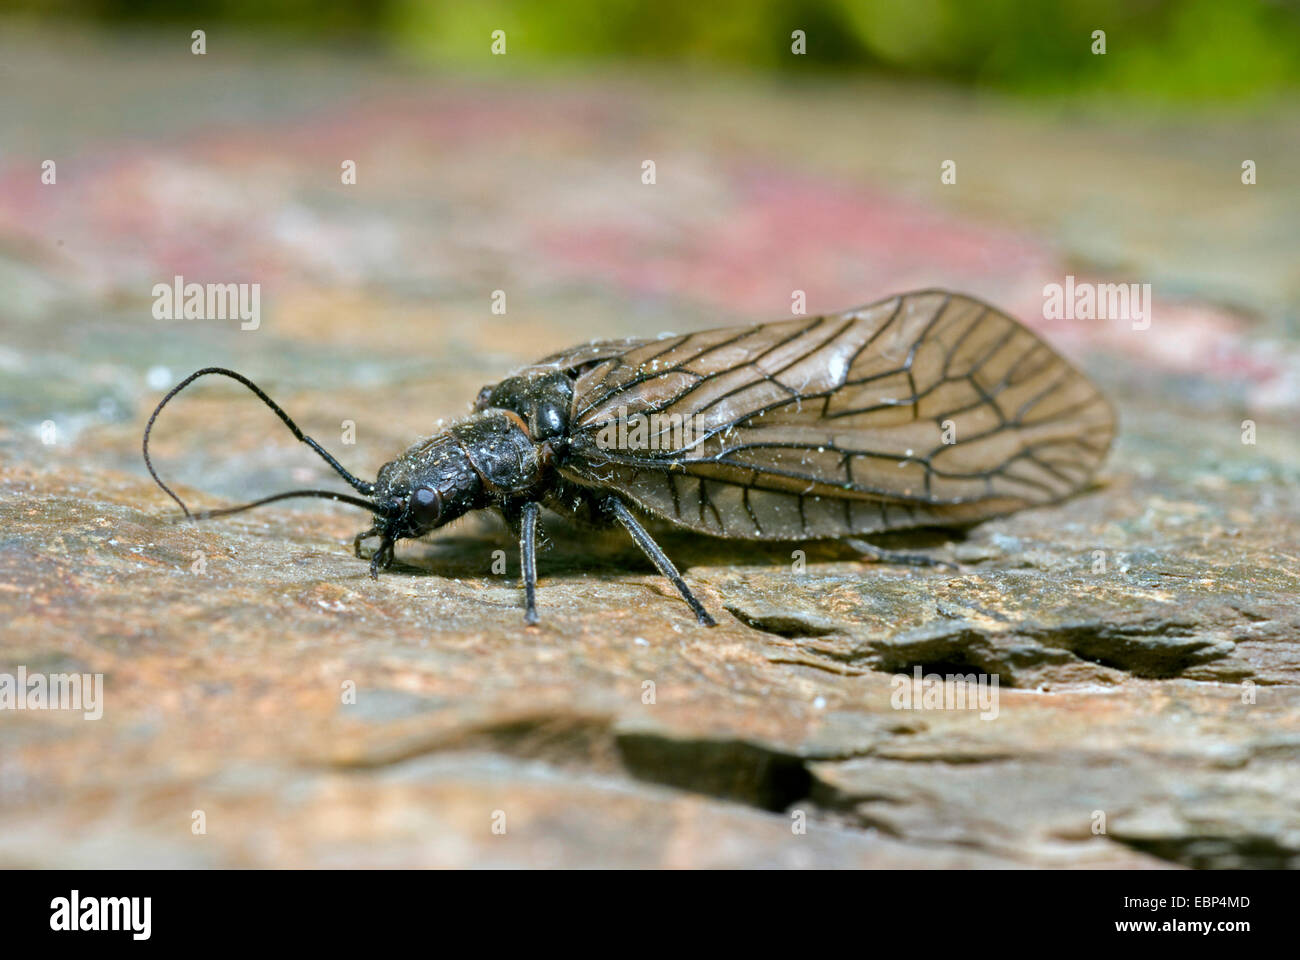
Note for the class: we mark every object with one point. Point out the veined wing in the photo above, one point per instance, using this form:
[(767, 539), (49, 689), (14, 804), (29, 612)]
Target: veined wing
[(586, 354), (927, 409)]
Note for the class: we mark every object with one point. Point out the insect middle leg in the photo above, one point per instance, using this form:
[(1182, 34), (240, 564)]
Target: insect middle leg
[(528, 558), (619, 511)]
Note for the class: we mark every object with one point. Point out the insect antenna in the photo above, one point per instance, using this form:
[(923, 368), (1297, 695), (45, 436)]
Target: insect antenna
[(323, 494), (361, 486)]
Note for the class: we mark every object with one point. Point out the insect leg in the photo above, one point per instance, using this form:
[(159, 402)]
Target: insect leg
[(528, 559), (356, 541), (382, 558), (643, 540), (879, 555)]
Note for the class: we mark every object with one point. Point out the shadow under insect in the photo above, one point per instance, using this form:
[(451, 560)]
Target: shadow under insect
[(572, 549)]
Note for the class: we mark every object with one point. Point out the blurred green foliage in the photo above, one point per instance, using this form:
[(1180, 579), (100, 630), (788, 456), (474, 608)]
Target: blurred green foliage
[(1203, 50)]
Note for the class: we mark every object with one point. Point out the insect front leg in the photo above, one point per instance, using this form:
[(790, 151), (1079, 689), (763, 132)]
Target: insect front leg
[(619, 511), (364, 534), (382, 558)]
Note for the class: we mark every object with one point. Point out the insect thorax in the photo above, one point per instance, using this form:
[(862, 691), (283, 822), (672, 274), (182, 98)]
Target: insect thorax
[(540, 396), (488, 458)]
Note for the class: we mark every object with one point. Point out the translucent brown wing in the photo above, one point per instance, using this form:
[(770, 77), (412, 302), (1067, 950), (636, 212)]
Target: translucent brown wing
[(585, 355), (928, 409)]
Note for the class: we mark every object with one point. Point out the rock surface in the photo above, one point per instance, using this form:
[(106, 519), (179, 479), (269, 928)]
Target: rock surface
[(1145, 636)]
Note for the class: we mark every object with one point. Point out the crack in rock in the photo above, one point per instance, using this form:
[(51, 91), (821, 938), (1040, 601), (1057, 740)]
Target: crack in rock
[(786, 625), (1025, 654)]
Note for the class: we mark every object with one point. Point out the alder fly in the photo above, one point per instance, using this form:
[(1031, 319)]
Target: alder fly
[(929, 409)]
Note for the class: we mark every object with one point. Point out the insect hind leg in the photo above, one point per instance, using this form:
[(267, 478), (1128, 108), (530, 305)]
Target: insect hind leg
[(620, 512), (879, 555)]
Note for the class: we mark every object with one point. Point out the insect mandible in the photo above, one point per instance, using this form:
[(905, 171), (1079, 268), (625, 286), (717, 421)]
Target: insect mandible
[(928, 409)]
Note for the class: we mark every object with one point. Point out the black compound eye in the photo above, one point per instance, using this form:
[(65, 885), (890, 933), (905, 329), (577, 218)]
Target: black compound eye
[(484, 397), (425, 506)]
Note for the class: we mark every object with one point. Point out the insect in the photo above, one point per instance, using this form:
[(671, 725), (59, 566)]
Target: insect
[(929, 409)]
